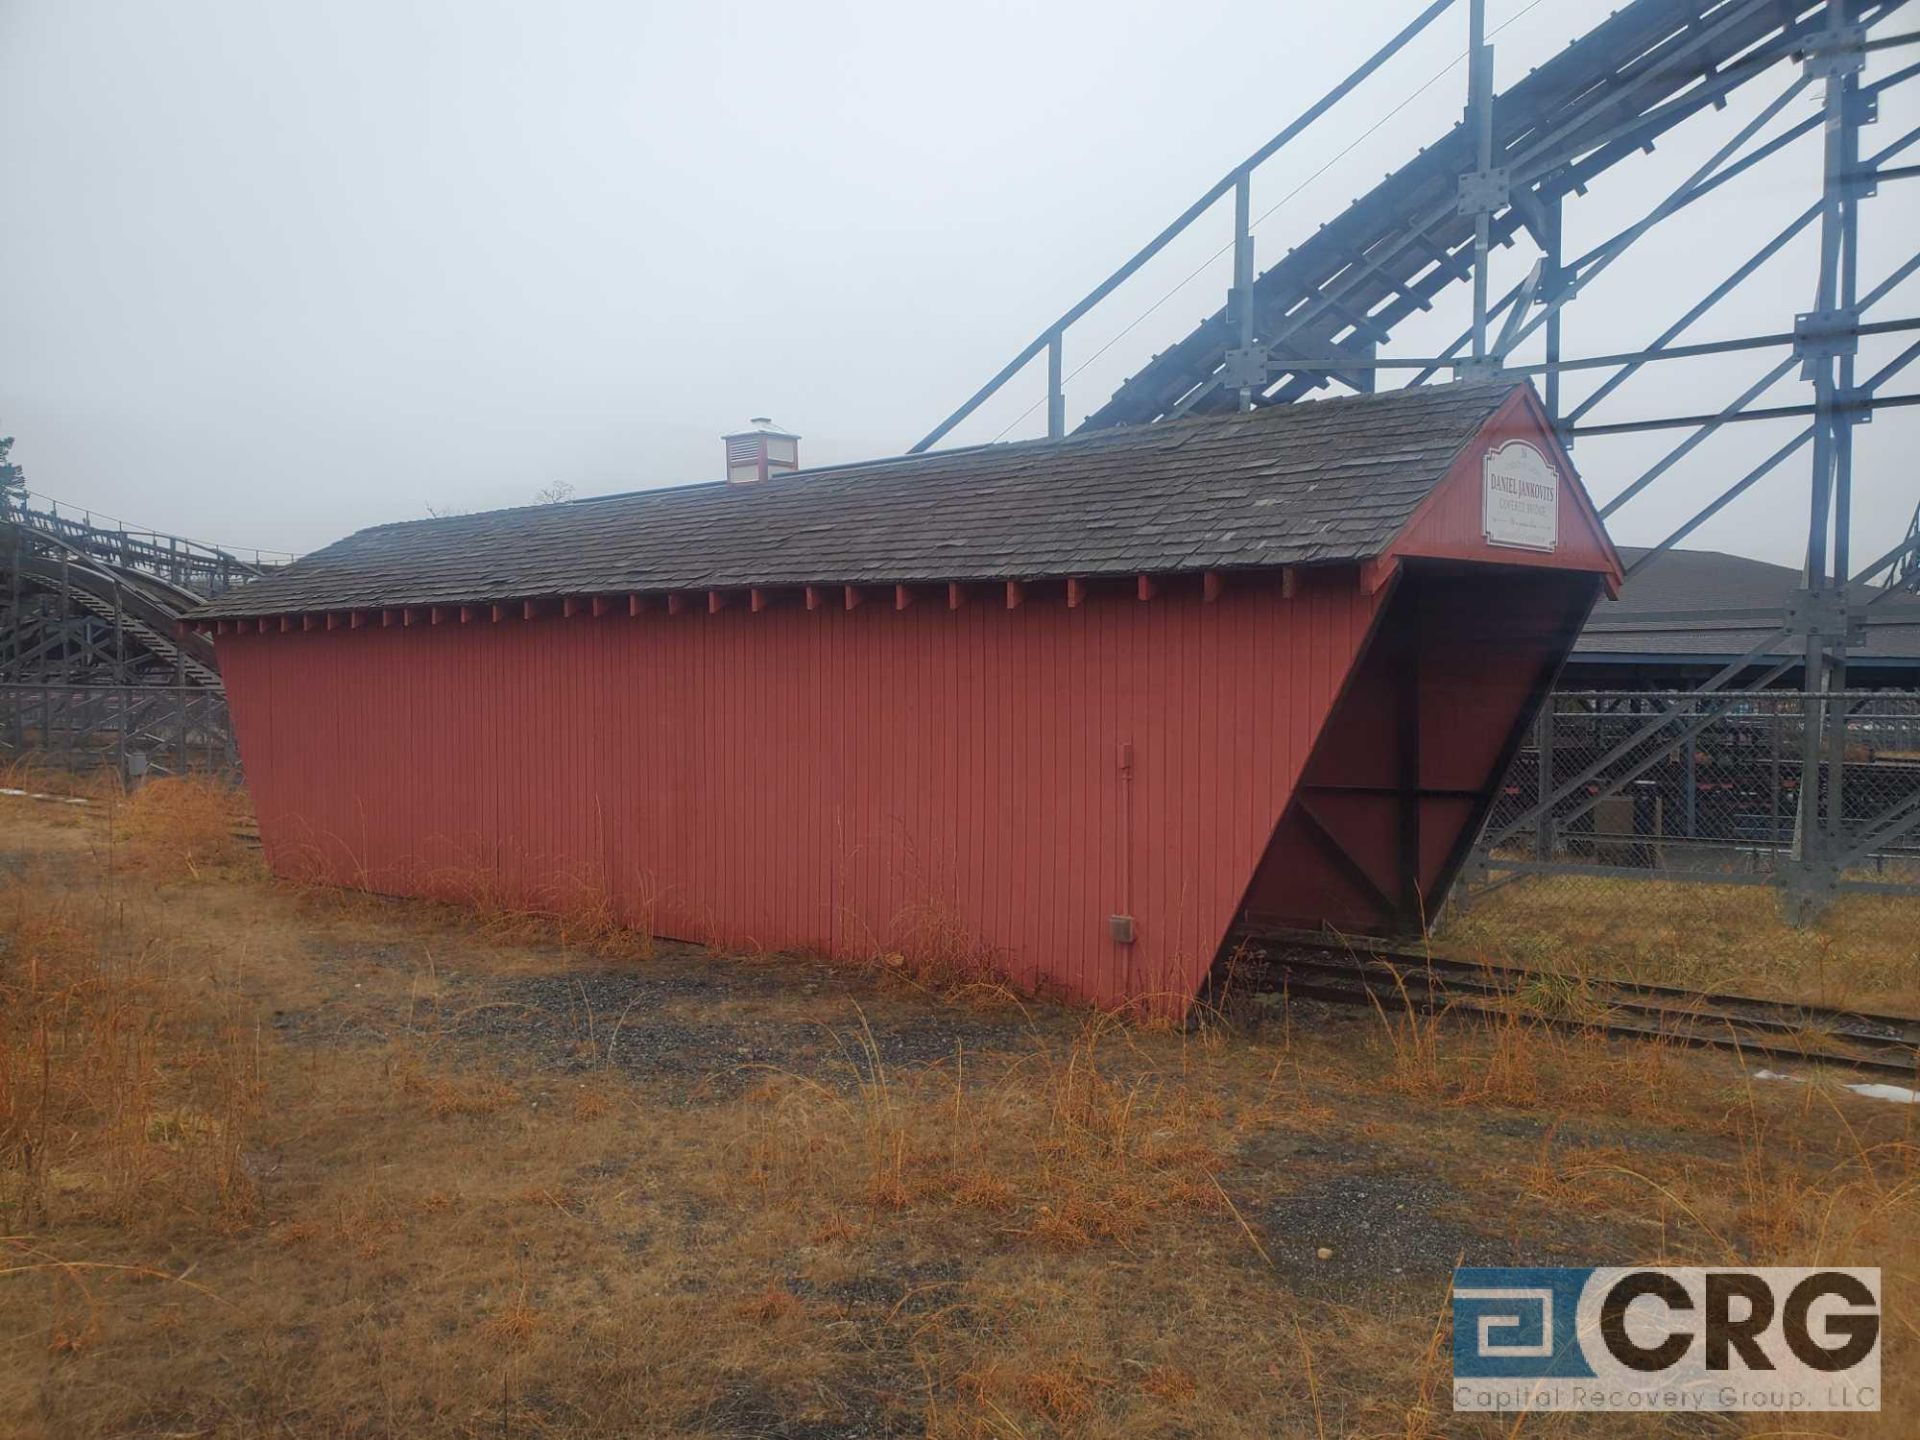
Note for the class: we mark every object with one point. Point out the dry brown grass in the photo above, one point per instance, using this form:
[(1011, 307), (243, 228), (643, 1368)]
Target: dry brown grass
[(1864, 952), (123, 1086), (184, 826), (574, 912), (1518, 1059), (36, 775), (930, 947), (384, 1225)]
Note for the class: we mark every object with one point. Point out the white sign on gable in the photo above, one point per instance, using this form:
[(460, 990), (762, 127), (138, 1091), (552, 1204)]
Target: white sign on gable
[(1521, 498)]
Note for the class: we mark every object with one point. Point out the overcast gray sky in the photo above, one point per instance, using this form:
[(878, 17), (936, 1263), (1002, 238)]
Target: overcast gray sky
[(273, 271)]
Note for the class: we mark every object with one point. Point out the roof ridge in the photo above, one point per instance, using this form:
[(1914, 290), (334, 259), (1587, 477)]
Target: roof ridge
[(1265, 414), (1324, 481)]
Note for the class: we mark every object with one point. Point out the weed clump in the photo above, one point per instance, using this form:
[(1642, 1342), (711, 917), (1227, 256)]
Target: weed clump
[(184, 826), (930, 947), (572, 911), (118, 1086)]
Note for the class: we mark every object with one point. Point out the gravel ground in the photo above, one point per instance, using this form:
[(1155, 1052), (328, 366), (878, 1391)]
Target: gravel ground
[(647, 1020), (686, 1015), (1398, 1228)]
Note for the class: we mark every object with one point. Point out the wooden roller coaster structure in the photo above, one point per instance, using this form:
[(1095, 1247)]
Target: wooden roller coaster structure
[(95, 667)]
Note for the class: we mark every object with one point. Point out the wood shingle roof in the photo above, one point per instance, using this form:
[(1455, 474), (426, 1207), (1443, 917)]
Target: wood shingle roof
[(1310, 483)]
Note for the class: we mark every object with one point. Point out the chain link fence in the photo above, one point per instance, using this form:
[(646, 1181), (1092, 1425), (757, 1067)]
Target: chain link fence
[(1710, 788)]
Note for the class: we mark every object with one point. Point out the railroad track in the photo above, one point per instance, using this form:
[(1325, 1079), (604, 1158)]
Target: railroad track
[(1398, 981)]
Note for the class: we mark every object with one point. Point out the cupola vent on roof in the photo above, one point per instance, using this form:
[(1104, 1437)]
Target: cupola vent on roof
[(764, 450)]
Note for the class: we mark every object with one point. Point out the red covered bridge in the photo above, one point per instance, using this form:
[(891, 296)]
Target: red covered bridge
[(1081, 704)]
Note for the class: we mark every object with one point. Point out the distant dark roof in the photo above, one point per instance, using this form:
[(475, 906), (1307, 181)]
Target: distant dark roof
[(1692, 580), (1320, 481)]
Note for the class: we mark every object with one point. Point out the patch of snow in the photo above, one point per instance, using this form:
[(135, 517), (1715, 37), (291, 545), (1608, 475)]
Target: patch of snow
[(1897, 1094)]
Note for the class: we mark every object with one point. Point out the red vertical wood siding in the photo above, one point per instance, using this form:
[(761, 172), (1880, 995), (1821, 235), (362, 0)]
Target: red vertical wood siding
[(796, 779), (841, 779)]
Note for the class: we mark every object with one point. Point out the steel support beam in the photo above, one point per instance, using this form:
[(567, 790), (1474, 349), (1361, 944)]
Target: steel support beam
[(1836, 62)]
